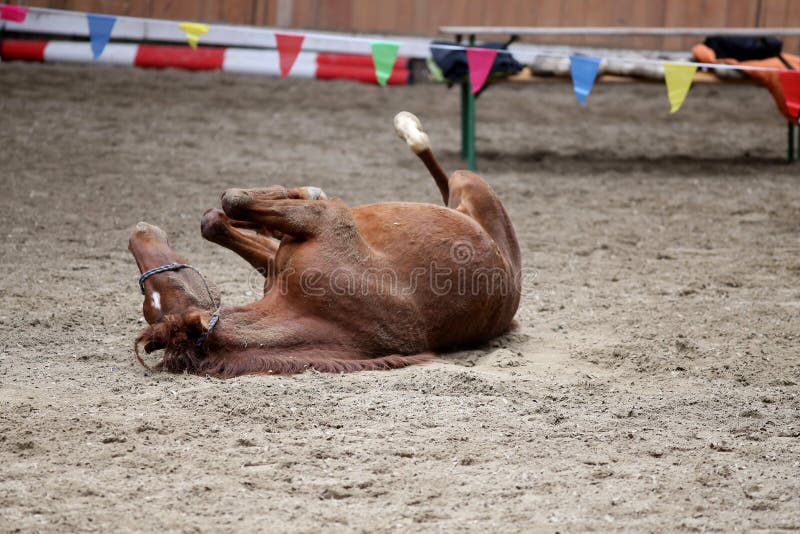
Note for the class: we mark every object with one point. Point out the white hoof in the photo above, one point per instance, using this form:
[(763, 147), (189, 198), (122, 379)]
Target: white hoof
[(409, 128), (315, 193)]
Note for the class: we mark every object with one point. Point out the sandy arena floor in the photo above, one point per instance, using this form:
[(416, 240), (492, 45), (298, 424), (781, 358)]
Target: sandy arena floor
[(653, 385)]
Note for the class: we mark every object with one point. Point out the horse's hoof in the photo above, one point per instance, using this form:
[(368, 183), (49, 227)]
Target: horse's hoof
[(409, 129), (314, 193), (234, 201)]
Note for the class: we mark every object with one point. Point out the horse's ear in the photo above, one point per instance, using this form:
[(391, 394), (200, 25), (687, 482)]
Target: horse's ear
[(204, 320), (196, 322)]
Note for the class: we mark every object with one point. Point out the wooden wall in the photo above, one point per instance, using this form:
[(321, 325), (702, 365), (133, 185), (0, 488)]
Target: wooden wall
[(423, 17)]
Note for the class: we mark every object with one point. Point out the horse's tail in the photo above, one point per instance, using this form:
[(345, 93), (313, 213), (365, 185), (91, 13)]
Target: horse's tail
[(409, 128)]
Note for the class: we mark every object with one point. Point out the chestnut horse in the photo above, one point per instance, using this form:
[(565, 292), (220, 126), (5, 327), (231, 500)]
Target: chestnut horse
[(379, 286)]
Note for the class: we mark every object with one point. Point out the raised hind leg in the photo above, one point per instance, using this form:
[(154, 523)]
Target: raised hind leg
[(409, 129), (472, 196), (463, 191)]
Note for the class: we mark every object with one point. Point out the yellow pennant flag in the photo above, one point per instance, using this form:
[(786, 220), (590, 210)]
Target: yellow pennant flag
[(193, 31), (679, 78)]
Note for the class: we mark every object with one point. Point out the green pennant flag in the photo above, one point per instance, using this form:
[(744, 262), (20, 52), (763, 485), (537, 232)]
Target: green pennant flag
[(384, 54)]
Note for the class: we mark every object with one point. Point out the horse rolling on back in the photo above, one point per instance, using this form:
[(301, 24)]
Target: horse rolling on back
[(380, 286)]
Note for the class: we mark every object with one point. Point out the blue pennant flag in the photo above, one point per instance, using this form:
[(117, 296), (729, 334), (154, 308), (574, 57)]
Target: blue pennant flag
[(584, 71), (100, 27)]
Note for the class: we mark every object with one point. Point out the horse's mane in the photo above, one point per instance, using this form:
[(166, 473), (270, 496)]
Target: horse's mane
[(178, 334)]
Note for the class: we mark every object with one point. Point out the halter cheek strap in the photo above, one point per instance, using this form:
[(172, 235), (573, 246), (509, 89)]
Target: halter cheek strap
[(211, 324)]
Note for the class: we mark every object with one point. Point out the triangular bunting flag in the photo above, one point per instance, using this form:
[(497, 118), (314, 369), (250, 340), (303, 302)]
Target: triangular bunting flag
[(384, 54), (193, 31), (289, 45), (679, 78), (479, 61), (13, 13), (100, 27), (790, 83), (584, 71)]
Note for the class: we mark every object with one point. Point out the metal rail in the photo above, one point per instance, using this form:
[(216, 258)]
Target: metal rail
[(616, 30)]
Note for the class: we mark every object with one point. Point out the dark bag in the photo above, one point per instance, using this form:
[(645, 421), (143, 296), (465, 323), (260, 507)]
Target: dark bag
[(453, 62), (744, 48)]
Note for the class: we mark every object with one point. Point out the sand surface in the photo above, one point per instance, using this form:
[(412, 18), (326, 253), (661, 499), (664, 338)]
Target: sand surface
[(652, 386)]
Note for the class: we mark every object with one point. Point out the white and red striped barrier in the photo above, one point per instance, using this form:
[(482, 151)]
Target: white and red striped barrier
[(318, 65)]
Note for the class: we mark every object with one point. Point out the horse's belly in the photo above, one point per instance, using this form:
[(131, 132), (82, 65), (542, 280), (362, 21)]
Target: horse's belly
[(412, 233), (446, 264)]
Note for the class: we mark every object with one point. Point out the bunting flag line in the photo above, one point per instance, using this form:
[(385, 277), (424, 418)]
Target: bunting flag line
[(384, 54), (678, 76), (289, 45), (584, 71), (679, 79), (13, 13), (100, 27), (193, 31), (479, 62), (790, 83)]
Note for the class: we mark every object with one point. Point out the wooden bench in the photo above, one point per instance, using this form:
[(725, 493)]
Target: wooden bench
[(513, 33)]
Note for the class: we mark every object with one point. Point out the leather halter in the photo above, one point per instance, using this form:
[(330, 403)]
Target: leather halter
[(177, 267)]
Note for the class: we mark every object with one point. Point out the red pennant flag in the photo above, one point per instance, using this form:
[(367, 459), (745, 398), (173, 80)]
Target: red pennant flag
[(479, 61), (13, 13), (790, 83), (289, 45)]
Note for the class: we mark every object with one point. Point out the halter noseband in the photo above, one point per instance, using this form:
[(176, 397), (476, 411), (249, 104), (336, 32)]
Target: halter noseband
[(177, 267), (162, 269)]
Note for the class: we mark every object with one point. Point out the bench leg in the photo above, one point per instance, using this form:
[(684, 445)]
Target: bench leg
[(790, 143), (471, 164), (464, 102), (468, 124), (468, 120), (796, 128)]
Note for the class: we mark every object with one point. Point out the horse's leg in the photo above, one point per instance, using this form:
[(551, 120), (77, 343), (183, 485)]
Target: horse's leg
[(409, 128), (463, 190), (300, 219), (257, 250), (472, 196), (279, 192)]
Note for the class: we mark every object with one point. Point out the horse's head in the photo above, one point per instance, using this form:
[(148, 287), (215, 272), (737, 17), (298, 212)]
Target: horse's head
[(170, 286)]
